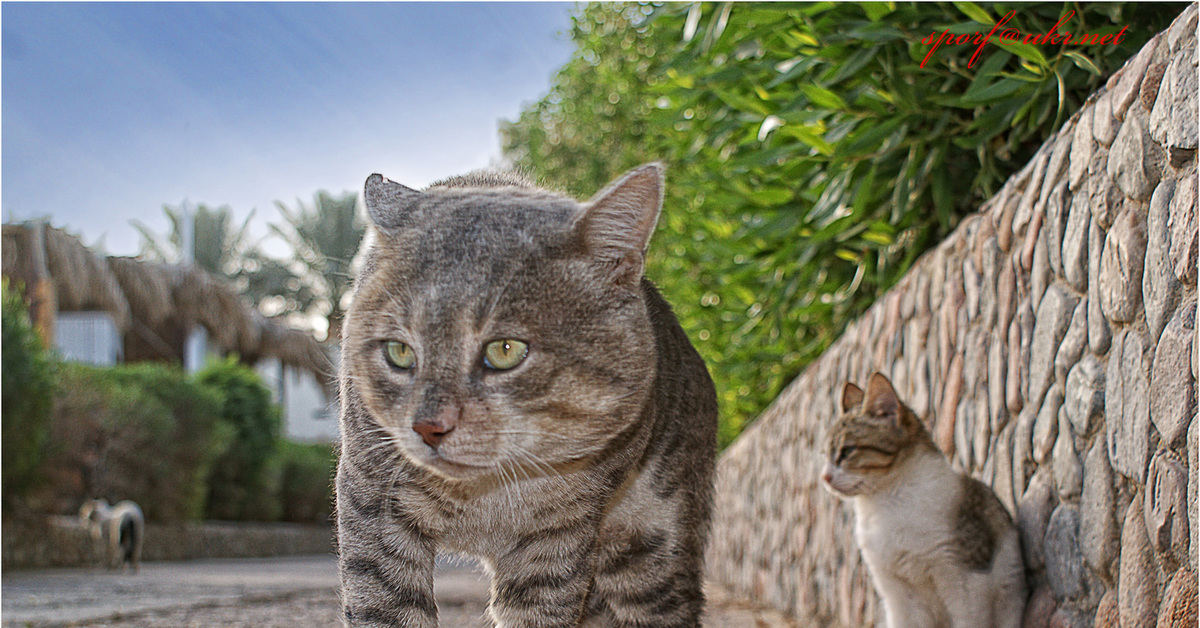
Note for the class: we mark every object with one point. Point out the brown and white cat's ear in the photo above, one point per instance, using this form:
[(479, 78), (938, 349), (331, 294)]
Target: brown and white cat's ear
[(618, 220), (852, 397), (881, 400), (388, 203)]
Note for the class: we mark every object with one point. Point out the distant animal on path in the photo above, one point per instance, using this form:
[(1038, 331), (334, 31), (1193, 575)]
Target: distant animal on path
[(120, 528)]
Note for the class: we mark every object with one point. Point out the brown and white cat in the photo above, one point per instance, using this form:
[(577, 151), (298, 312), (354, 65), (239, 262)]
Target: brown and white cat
[(512, 388), (940, 547)]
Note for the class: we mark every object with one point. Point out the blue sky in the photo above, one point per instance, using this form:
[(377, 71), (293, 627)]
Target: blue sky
[(111, 110)]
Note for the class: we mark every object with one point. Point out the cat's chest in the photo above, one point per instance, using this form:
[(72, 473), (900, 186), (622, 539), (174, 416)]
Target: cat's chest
[(909, 525), (489, 522)]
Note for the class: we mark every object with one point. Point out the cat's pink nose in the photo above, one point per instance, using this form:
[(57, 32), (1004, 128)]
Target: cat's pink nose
[(432, 432), (434, 429), (828, 477)]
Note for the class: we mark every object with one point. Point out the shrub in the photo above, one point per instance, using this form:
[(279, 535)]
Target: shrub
[(243, 483), (306, 482), (28, 389), (145, 432), (811, 158)]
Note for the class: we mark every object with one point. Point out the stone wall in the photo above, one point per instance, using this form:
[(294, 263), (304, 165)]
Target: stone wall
[(1049, 341)]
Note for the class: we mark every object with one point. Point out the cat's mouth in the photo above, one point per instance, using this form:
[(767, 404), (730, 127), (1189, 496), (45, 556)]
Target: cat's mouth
[(437, 461)]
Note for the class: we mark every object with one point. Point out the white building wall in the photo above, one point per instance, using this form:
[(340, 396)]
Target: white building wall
[(88, 337), (308, 416)]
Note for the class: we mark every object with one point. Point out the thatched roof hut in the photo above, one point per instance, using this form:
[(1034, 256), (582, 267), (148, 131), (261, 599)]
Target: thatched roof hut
[(147, 287), (82, 279), (154, 304), (296, 348)]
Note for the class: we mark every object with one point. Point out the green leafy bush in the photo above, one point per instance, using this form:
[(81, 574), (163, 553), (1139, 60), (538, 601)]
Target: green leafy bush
[(306, 482), (243, 483), (810, 158), (145, 432), (28, 388)]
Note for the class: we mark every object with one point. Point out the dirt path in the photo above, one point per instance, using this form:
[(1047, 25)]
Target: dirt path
[(295, 592)]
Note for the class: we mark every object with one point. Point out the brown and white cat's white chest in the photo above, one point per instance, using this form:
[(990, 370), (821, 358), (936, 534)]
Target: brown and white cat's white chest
[(908, 526)]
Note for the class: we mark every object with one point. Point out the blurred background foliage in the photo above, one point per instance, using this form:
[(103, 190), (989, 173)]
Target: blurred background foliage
[(184, 447), (810, 158), (29, 386)]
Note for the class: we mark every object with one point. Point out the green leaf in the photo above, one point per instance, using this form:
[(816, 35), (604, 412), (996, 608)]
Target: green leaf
[(1082, 62), (972, 10), (877, 10), (823, 98), (995, 91), (808, 137), (741, 103), (772, 196), (1027, 52)]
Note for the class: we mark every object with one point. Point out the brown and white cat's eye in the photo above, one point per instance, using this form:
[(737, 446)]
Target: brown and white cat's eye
[(399, 354), (504, 354)]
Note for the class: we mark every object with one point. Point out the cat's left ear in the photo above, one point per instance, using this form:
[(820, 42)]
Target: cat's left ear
[(388, 203), (618, 220), (882, 402)]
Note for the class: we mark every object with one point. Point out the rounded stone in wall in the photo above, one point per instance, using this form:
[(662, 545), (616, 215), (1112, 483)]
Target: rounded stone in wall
[(1137, 586), (1039, 608), (1193, 444), (1068, 471), (1184, 235), (1104, 198), (1075, 246), (1183, 30), (1099, 533), (1127, 406), (1165, 509), (1135, 161), (1173, 118), (1084, 398), (1107, 613), (1104, 127), (1099, 334), (1179, 605), (1121, 266), (1033, 516), (1081, 148), (1160, 288), (1073, 343), (1064, 562), (1045, 427), (1172, 387), (1126, 82), (1052, 321)]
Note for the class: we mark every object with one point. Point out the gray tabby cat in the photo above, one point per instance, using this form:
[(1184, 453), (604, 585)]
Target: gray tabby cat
[(942, 550), (513, 389)]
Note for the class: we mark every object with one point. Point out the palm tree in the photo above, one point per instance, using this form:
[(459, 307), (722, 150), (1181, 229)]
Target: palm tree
[(323, 237), (217, 246)]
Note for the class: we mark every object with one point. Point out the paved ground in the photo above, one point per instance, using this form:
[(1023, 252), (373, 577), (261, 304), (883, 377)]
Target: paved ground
[(252, 593)]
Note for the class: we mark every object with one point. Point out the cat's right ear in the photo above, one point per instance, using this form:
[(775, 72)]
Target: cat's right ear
[(617, 221), (852, 397), (882, 401), (388, 203)]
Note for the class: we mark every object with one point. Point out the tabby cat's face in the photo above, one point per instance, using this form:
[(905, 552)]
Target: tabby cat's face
[(488, 338), (869, 440)]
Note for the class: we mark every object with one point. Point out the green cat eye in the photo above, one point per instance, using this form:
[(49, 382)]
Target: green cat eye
[(399, 354), (502, 355)]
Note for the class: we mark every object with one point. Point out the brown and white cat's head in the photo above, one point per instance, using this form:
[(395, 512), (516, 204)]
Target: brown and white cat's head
[(498, 328), (875, 435)]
